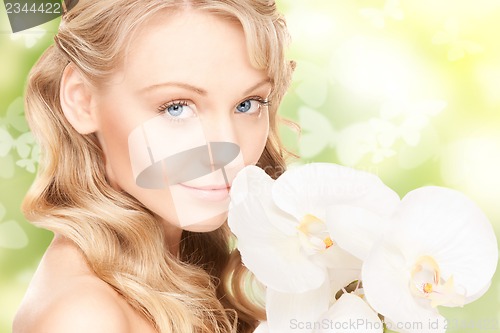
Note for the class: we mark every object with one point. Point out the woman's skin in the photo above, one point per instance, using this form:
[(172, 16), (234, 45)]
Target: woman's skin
[(188, 48)]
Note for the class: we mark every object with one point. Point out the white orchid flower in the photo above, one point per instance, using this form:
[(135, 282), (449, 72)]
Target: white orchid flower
[(440, 250), (281, 229)]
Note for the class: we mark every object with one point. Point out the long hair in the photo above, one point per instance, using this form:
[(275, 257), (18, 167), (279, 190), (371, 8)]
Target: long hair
[(121, 240)]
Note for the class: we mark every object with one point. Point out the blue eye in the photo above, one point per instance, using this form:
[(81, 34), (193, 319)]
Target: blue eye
[(175, 110), (244, 106), (178, 109), (252, 105)]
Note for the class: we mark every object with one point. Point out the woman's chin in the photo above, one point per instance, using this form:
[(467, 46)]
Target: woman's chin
[(207, 225)]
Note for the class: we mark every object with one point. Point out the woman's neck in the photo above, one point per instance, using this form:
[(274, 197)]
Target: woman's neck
[(173, 236)]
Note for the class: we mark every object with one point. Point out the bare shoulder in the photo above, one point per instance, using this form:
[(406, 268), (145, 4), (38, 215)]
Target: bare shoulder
[(65, 297), (84, 310)]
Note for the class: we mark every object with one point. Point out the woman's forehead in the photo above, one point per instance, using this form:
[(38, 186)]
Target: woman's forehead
[(192, 46)]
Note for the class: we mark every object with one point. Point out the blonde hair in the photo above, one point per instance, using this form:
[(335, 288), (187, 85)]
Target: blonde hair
[(122, 241)]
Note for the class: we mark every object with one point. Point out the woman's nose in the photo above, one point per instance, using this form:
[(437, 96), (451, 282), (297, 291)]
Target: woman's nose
[(219, 128), (222, 140)]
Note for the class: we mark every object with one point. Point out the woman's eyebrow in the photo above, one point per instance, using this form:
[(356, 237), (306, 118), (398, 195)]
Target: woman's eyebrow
[(195, 89), (183, 85)]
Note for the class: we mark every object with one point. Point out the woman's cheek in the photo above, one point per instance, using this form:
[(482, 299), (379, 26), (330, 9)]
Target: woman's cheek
[(253, 139)]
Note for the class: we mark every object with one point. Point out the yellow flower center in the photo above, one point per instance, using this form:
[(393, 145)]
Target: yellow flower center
[(426, 282), (427, 288), (328, 242), (314, 234)]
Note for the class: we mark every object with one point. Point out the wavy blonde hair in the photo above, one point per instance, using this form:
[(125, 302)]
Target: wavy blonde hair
[(122, 241)]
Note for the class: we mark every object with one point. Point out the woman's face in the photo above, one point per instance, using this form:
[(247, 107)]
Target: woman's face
[(183, 116)]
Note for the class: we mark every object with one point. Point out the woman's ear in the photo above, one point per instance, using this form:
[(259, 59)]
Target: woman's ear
[(76, 101)]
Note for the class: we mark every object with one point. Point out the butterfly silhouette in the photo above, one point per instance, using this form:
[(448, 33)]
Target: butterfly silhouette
[(364, 139), (29, 164), (317, 132), (392, 9), (459, 47), (23, 144), (14, 116), (412, 118)]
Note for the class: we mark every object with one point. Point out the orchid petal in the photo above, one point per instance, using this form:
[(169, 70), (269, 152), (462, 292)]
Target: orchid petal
[(254, 181), (311, 188), (355, 229), (350, 314), (284, 309), (336, 257), (448, 226), (386, 281)]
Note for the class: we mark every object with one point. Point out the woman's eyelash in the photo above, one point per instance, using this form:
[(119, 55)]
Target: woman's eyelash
[(260, 100), (164, 107)]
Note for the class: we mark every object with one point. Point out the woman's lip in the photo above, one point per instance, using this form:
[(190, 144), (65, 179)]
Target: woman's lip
[(209, 193), (208, 187)]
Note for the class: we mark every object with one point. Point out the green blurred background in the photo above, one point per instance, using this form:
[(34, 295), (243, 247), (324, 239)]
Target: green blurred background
[(408, 90)]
